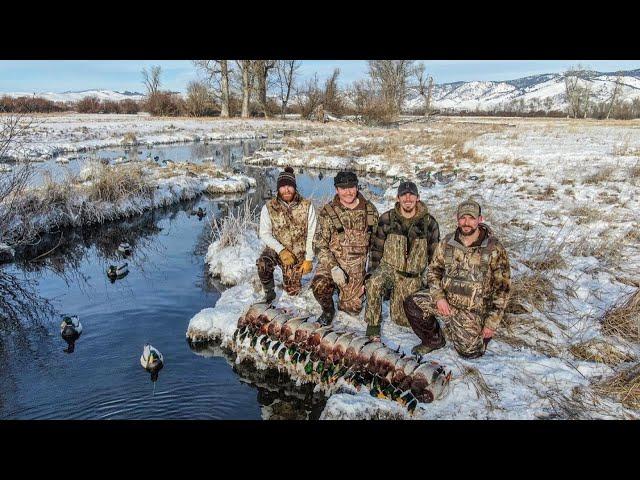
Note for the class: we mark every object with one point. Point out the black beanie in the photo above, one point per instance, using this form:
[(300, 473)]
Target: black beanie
[(287, 178)]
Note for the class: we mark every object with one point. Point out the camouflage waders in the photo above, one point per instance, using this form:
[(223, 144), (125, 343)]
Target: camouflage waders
[(475, 281), (291, 276), (462, 328), (289, 226), (347, 247), (385, 278), (401, 251)]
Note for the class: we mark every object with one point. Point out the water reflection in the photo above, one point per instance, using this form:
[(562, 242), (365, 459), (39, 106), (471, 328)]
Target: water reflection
[(279, 397)]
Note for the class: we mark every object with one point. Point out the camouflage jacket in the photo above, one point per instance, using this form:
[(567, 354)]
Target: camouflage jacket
[(406, 244), (289, 223), (476, 278), (362, 218)]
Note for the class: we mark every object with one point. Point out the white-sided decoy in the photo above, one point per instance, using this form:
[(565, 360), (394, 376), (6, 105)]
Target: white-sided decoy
[(70, 330), (114, 272), (151, 360), (124, 248)]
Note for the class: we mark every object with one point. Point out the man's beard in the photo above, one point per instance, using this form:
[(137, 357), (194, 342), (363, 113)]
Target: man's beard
[(287, 197), (462, 232), (407, 210)]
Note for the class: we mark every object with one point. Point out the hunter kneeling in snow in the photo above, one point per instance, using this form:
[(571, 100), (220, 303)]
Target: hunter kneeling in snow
[(287, 226), (469, 281)]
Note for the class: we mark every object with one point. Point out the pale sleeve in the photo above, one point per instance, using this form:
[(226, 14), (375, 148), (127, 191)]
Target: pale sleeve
[(266, 234), (311, 230)]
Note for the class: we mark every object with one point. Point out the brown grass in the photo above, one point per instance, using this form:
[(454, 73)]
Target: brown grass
[(623, 318), (605, 174), (112, 183), (585, 214), (623, 387), (600, 351)]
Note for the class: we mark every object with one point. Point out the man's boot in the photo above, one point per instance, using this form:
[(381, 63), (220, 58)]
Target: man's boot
[(434, 340), (269, 292), (327, 316)]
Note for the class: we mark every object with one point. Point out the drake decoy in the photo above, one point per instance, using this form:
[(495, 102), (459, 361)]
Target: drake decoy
[(124, 248), (152, 361), (70, 330), (116, 273)]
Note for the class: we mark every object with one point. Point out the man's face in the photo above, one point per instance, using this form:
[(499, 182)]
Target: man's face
[(347, 195), (408, 201), (468, 224), (286, 192)]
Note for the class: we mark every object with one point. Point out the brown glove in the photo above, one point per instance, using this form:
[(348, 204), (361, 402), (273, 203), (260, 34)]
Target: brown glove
[(287, 258), (306, 267)]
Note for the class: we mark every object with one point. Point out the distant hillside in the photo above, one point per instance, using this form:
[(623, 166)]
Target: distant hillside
[(74, 96), (545, 91)]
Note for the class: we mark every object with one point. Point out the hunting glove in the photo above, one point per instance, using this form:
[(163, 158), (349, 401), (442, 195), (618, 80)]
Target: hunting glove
[(287, 258), (306, 267), (338, 276)]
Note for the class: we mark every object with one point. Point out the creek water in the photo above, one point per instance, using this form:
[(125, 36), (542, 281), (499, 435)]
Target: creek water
[(167, 284)]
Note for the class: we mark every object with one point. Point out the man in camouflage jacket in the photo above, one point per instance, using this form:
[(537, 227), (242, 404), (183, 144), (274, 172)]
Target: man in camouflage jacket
[(342, 244), (287, 226), (469, 283), (404, 243)]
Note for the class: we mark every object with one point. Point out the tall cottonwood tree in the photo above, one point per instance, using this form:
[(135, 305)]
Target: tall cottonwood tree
[(218, 73), (391, 78), (286, 74)]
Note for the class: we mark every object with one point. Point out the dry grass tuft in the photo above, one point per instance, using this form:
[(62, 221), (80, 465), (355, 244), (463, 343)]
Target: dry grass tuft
[(623, 318), (480, 385), (112, 183), (585, 214), (605, 174), (531, 289), (599, 351), (230, 229), (624, 387)]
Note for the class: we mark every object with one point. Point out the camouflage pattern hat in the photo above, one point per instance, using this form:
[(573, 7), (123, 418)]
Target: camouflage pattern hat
[(469, 207)]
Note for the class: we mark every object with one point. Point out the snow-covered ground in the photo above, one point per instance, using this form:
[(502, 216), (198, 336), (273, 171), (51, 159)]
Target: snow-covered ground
[(164, 185), (65, 133), (561, 195)]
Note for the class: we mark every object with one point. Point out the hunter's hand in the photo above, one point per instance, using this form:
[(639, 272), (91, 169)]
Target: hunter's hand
[(338, 276), (287, 258), (306, 267), (443, 307), (487, 332)]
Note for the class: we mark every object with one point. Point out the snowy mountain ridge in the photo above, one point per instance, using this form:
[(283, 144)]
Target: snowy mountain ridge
[(544, 92)]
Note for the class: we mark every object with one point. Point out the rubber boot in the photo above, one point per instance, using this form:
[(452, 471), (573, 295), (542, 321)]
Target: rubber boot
[(269, 292), (327, 316)]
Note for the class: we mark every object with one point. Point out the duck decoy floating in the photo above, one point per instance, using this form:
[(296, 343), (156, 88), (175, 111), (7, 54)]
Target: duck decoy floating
[(152, 360), (70, 330), (116, 273), (124, 248)]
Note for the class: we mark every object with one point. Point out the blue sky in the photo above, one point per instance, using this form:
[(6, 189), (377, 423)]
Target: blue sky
[(63, 75)]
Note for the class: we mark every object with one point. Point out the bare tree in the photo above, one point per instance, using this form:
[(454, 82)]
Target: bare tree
[(615, 95), (577, 91), (246, 72), (217, 73), (310, 97), (423, 86), (390, 78), (151, 79), (14, 183), (286, 71), (332, 101), (199, 100), (262, 69)]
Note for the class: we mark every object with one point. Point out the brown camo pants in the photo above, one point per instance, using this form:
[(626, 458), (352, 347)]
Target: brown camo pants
[(291, 276), (462, 328)]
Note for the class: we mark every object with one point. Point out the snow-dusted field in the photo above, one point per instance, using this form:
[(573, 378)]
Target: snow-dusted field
[(65, 133), (560, 194)]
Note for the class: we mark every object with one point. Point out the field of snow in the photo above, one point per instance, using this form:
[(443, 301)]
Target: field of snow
[(51, 135), (560, 194)]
